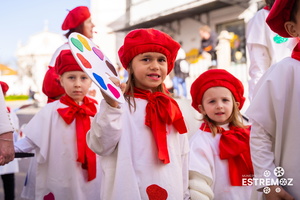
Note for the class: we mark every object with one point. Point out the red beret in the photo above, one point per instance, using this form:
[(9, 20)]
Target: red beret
[(4, 87), (216, 78), (51, 85), (65, 62), (148, 40), (76, 17), (279, 14)]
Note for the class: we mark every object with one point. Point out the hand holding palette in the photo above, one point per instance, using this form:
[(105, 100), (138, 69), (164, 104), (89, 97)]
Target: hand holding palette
[(97, 66)]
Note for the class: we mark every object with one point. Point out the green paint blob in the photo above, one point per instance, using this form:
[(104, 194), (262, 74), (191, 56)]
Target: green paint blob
[(278, 39), (77, 44)]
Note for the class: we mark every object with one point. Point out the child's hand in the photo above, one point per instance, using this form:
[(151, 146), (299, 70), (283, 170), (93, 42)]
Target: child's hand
[(282, 195), (109, 100)]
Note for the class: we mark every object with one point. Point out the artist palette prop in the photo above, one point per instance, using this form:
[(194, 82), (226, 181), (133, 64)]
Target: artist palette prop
[(97, 66)]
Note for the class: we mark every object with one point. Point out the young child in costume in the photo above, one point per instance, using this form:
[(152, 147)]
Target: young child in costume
[(143, 148), (274, 112), (265, 47), (66, 167), (8, 171), (219, 151), (77, 20)]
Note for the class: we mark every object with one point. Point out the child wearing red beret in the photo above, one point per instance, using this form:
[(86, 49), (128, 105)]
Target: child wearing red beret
[(143, 148), (219, 150), (66, 168), (77, 20), (274, 113)]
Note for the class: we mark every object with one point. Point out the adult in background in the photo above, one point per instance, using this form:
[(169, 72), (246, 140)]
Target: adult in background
[(265, 47), (181, 72), (77, 20), (6, 134), (8, 171), (209, 41)]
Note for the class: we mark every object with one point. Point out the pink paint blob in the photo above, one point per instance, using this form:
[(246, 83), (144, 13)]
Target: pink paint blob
[(84, 61), (113, 90), (98, 53)]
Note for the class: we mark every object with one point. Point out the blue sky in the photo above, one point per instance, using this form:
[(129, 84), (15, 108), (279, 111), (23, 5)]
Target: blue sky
[(19, 19)]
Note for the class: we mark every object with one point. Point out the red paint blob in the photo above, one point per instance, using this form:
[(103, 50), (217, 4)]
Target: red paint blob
[(84, 61)]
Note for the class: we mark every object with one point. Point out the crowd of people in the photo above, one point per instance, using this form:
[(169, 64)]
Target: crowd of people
[(89, 149)]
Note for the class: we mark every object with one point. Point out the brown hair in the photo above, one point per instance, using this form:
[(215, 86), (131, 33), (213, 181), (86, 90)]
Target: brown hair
[(270, 3), (294, 11), (205, 28), (235, 119), (78, 29)]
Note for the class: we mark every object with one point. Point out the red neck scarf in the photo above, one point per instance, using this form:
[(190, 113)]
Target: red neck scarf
[(296, 52), (160, 111), (267, 8), (234, 146), (82, 115)]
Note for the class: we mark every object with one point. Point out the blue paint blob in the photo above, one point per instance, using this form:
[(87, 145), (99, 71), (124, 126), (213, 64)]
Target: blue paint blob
[(100, 81)]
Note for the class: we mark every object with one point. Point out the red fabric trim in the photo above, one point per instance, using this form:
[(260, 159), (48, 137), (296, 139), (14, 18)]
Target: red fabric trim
[(234, 147), (160, 111), (82, 115)]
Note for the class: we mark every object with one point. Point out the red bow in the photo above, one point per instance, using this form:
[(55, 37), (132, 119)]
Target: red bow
[(296, 52), (82, 115), (234, 146), (160, 111)]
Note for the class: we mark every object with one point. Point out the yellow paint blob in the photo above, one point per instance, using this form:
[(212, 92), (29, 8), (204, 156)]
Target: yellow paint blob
[(84, 42)]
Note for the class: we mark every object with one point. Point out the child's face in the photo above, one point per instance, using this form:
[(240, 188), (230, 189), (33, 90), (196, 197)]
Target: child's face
[(76, 84), (149, 69), (217, 104)]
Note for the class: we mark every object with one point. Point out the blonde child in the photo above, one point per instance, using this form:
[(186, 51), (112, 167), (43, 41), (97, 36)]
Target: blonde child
[(66, 167), (274, 113), (143, 155), (219, 150)]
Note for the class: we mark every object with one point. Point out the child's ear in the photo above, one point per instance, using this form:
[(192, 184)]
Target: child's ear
[(238, 104), (201, 109), (290, 27)]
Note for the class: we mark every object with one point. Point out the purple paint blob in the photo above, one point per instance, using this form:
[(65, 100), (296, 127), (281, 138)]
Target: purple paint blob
[(98, 53)]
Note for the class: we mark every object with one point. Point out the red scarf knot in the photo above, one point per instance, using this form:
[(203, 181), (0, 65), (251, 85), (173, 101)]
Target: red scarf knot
[(160, 111), (234, 146), (82, 115), (296, 52)]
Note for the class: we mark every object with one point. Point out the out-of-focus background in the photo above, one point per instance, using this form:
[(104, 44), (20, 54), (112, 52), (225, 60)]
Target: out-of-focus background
[(31, 32)]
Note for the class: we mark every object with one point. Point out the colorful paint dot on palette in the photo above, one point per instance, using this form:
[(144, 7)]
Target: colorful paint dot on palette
[(84, 42), (100, 81), (84, 61), (77, 44), (97, 66)]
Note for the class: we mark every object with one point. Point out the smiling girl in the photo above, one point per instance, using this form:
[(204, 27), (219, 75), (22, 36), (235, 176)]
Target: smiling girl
[(220, 152), (144, 153)]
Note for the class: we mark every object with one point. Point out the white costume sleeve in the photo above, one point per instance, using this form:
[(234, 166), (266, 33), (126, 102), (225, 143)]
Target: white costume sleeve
[(261, 152), (105, 131), (5, 123), (24, 145), (260, 62), (200, 187)]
